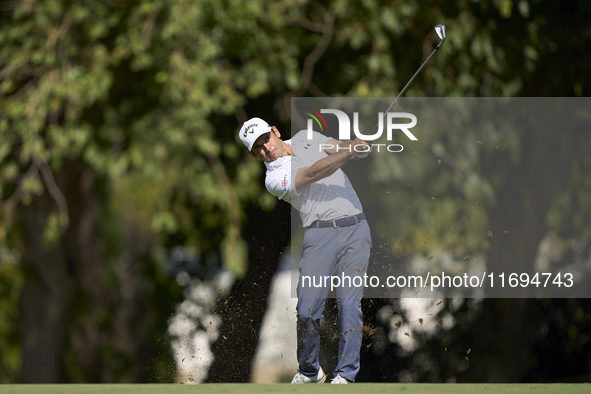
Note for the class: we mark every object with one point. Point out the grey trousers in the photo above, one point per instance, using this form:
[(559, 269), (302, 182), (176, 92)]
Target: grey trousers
[(327, 252)]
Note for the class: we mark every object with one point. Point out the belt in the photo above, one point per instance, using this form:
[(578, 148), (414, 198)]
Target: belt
[(343, 222)]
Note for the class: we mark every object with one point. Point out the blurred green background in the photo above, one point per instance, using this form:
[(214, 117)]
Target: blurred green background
[(118, 146)]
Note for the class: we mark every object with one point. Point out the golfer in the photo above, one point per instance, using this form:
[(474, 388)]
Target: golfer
[(306, 173)]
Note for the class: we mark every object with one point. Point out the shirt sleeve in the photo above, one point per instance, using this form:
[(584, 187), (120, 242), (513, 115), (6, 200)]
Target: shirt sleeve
[(279, 181)]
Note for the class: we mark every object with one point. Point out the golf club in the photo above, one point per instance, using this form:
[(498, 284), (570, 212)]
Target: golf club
[(440, 30)]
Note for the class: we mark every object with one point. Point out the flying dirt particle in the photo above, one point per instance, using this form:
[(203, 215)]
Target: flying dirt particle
[(467, 359), (421, 321), (183, 360), (489, 233), (467, 258), (398, 323), (480, 142), (407, 334), (439, 161), (439, 303), (438, 324), (429, 258), (469, 350), (367, 330), (355, 269)]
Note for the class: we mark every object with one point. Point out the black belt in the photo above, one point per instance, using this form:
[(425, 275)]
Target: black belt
[(343, 222)]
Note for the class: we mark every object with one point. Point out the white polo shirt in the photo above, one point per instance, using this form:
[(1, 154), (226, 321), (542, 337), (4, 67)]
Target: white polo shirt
[(329, 198)]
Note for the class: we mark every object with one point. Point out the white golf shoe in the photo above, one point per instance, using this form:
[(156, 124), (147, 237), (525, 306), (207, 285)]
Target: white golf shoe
[(339, 380), (301, 378)]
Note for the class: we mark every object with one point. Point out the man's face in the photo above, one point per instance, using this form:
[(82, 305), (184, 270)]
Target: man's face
[(268, 147)]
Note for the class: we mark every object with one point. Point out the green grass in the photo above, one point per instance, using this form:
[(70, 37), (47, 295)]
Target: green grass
[(372, 388)]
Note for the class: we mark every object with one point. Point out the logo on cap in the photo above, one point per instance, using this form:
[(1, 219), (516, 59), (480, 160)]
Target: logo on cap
[(249, 128)]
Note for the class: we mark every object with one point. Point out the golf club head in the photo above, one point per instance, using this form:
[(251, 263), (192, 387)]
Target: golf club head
[(440, 30)]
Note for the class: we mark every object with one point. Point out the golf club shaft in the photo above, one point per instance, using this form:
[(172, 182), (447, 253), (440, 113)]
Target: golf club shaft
[(406, 86)]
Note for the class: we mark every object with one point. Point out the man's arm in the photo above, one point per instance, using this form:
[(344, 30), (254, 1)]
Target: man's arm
[(326, 166)]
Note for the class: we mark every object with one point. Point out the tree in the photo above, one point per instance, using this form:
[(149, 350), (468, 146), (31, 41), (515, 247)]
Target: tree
[(96, 96)]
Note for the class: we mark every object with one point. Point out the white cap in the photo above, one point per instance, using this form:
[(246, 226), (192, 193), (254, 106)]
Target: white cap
[(253, 129)]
